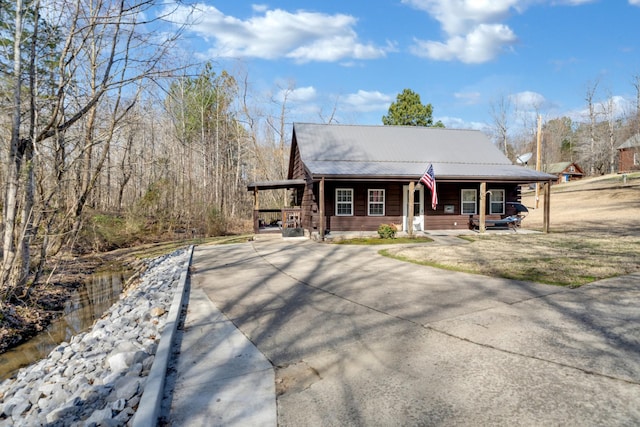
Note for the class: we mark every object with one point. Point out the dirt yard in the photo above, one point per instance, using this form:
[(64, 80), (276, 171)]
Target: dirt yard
[(594, 234), (604, 205)]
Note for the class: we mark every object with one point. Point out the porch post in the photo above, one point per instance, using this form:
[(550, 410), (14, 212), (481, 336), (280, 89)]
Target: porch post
[(547, 206), (256, 208), (483, 206), (321, 209), (412, 188)]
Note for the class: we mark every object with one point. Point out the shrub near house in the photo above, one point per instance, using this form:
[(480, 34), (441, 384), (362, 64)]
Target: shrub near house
[(387, 231)]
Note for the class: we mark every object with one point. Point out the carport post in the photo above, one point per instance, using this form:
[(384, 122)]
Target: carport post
[(256, 208)]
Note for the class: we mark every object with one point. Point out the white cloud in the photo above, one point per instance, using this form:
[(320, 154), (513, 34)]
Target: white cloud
[(527, 100), (462, 16), (577, 2), (468, 98), (615, 107), (365, 101), (473, 29), (619, 106), (480, 45), (634, 2), (302, 36), (458, 123), (298, 95), (259, 7)]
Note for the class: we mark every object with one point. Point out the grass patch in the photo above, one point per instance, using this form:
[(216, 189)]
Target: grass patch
[(564, 259), (387, 253), (380, 241)]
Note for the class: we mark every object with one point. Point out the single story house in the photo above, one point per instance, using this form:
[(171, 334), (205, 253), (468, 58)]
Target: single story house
[(565, 171), (629, 155), (355, 178)]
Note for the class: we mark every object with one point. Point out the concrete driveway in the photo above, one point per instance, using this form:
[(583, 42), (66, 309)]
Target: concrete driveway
[(359, 339)]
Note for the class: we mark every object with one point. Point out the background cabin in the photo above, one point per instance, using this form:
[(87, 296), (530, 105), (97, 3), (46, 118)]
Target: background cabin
[(629, 155), (565, 171)]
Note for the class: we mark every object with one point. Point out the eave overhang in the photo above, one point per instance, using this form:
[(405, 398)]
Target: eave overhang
[(450, 179), (276, 185)]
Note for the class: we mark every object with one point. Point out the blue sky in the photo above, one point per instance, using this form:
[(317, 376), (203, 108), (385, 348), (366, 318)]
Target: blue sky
[(462, 56)]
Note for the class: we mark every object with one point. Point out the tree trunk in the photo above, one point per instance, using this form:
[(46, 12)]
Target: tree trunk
[(14, 163), (592, 127)]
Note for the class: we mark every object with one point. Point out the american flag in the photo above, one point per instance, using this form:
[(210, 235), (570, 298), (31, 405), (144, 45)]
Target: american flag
[(429, 180)]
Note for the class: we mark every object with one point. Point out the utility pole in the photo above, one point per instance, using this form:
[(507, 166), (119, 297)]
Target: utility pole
[(538, 157)]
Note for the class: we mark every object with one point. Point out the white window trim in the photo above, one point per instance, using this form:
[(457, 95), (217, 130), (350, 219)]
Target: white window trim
[(636, 159), (350, 190), (462, 202), (491, 202), (369, 202)]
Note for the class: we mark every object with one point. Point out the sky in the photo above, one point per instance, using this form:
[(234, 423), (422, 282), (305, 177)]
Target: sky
[(348, 60)]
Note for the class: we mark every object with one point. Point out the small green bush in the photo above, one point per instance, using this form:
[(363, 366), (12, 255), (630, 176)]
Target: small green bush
[(387, 231)]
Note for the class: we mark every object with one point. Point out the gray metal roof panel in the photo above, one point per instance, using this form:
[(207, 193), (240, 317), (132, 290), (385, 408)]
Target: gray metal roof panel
[(632, 142), (394, 143), (404, 151)]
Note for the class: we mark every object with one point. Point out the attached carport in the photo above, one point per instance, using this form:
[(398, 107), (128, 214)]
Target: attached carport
[(290, 217)]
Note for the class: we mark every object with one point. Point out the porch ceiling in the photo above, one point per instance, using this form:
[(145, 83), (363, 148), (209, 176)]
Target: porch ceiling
[(276, 185)]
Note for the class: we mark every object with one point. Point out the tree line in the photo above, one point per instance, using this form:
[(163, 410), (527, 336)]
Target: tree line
[(107, 139), (590, 138)]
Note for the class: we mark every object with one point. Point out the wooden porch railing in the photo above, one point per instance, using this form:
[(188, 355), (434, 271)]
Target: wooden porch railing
[(265, 220)]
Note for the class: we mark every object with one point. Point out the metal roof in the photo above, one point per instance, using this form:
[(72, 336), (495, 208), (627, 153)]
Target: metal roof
[(557, 168), (632, 142), (376, 152)]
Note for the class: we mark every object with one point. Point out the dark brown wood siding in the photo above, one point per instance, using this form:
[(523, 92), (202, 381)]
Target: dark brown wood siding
[(626, 160), (309, 206), (297, 170), (308, 198), (360, 220), (448, 194)]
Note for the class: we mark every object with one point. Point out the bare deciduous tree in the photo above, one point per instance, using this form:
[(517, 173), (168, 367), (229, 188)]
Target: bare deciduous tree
[(500, 111), (593, 123), (94, 62)]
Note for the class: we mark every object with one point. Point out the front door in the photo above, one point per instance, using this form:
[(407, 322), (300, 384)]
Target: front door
[(418, 208)]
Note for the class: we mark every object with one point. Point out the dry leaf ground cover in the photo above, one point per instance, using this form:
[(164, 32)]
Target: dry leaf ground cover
[(22, 319), (595, 234)]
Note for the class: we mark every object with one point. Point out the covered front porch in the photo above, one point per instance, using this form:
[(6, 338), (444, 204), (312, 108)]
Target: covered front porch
[(321, 206)]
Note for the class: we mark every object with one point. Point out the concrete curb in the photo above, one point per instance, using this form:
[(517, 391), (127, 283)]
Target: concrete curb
[(149, 407)]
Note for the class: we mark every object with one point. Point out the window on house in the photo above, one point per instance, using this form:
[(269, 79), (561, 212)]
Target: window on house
[(344, 201), (636, 159), (376, 202), (496, 202), (469, 199)]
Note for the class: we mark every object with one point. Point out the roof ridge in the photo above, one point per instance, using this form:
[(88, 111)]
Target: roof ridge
[(435, 162), (385, 126)]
